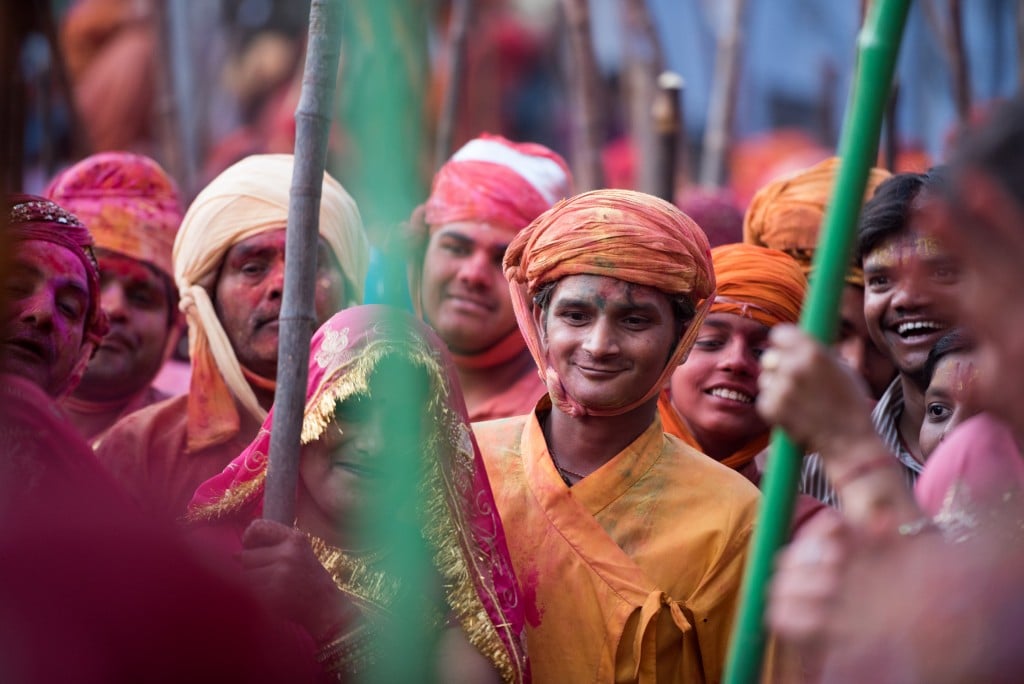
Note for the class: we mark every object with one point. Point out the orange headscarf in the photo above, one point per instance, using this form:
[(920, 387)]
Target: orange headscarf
[(762, 284), (787, 214), (621, 234)]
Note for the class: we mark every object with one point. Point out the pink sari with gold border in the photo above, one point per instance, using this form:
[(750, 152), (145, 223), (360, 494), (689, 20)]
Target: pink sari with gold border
[(462, 526)]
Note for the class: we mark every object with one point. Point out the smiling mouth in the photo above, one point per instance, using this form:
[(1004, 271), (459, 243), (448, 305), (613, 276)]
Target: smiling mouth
[(471, 302), (731, 395), (911, 329)]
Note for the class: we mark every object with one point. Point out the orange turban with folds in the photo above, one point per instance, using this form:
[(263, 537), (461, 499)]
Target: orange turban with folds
[(787, 214), (128, 202), (621, 234), (759, 283), (762, 284)]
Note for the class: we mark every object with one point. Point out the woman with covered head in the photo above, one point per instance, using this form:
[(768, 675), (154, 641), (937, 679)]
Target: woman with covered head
[(323, 574), (229, 258), (630, 542)]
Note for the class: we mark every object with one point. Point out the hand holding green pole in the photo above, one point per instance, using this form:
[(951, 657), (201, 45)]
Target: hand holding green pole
[(878, 46)]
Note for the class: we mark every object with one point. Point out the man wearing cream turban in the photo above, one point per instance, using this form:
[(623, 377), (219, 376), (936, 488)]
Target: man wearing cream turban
[(229, 269), (131, 207), (486, 193), (629, 543), (786, 215)]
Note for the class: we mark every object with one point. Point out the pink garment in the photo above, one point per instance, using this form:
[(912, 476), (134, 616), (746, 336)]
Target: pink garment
[(975, 475), (343, 355)]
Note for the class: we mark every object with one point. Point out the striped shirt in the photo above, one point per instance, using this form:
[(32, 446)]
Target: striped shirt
[(886, 418)]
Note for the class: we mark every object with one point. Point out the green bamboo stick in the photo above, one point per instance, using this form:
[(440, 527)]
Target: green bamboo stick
[(384, 60), (878, 46)]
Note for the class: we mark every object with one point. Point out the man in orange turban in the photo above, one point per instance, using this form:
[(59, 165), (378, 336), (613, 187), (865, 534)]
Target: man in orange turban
[(709, 403), (628, 542), (486, 193), (786, 215), (131, 207)]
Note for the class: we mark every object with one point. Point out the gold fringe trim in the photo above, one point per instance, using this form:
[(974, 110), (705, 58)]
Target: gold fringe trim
[(446, 534), (372, 588)]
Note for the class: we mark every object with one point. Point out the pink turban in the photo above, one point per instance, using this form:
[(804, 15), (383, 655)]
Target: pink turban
[(496, 181), (129, 203)]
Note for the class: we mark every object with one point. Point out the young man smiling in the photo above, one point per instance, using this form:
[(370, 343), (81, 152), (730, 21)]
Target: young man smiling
[(629, 543), (910, 283)]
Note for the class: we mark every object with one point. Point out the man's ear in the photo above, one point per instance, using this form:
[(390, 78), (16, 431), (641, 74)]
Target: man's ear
[(540, 320)]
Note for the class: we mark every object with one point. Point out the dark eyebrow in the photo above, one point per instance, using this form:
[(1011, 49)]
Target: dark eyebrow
[(573, 303), (247, 251), (455, 235)]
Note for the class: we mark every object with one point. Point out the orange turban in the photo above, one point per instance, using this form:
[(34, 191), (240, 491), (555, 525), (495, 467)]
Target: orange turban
[(621, 234), (127, 201), (787, 214), (759, 283)]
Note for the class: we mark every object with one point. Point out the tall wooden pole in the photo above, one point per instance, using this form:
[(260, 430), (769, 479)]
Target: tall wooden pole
[(722, 108), (585, 94), (878, 42), (462, 14), (643, 62), (668, 126), (298, 317), (958, 62)]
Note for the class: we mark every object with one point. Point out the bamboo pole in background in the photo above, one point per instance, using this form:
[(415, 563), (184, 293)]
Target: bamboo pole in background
[(298, 316), (666, 113), (586, 99), (643, 62), (462, 18), (724, 89), (878, 47)]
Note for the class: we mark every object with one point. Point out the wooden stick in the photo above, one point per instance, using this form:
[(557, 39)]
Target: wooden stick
[(585, 93), (958, 62), (722, 108), (644, 61), (298, 318), (668, 125), (891, 134), (462, 16)]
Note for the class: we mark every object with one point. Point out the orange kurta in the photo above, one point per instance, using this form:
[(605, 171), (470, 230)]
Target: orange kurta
[(631, 574), (146, 453)]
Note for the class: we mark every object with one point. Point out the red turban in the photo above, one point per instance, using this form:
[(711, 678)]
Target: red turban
[(623, 234), (128, 202), (759, 283)]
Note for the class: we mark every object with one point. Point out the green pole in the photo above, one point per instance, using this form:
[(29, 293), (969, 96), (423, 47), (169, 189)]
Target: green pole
[(381, 95), (878, 46)]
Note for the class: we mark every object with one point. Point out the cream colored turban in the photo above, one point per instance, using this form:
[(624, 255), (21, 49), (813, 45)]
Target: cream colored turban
[(249, 198)]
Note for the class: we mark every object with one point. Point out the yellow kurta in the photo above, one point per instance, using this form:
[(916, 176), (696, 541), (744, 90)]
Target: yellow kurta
[(631, 574)]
